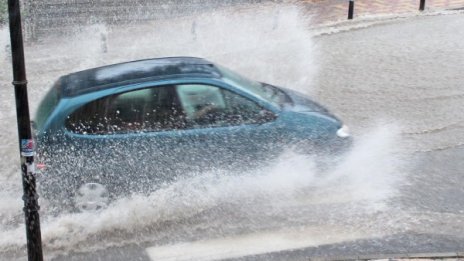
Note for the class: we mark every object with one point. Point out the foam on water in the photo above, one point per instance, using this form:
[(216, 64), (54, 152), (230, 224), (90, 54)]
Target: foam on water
[(270, 44)]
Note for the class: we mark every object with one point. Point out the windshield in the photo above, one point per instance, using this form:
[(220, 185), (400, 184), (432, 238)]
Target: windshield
[(267, 92)]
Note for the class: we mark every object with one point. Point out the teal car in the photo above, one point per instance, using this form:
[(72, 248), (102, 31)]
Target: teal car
[(130, 127)]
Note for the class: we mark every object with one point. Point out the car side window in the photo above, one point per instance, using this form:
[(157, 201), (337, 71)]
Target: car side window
[(151, 109), (210, 106)]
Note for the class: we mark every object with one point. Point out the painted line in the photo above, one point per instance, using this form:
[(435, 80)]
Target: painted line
[(250, 244), (241, 246)]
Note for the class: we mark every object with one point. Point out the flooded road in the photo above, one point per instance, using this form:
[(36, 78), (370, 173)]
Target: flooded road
[(397, 83)]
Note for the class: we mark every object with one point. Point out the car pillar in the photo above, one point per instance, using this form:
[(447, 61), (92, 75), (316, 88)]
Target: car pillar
[(26, 143)]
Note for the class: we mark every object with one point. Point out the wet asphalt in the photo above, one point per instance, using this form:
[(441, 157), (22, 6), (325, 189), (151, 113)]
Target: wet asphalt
[(408, 72), (392, 71)]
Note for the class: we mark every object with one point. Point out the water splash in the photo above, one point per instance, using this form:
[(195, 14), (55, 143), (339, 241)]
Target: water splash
[(286, 191), (270, 45), (93, 44), (4, 45)]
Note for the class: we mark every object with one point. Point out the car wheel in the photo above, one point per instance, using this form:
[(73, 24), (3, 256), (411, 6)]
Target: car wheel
[(91, 197)]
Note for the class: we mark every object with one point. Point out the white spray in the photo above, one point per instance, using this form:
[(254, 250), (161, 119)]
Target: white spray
[(270, 45)]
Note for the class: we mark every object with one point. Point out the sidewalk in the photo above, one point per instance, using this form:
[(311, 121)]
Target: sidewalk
[(333, 10)]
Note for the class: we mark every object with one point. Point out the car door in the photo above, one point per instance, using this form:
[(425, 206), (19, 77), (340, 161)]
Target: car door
[(230, 130), (131, 140)]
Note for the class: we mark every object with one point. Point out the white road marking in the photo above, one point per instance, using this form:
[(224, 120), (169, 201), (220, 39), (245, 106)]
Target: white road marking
[(250, 244)]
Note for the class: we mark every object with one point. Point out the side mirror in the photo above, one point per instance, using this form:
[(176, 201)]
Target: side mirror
[(266, 116)]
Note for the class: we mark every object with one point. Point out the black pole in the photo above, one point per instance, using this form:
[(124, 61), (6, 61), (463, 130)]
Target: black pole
[(422, 5), (26, 143), (351, 9)]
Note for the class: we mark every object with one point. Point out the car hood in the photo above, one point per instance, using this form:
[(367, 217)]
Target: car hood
[(302, 103)]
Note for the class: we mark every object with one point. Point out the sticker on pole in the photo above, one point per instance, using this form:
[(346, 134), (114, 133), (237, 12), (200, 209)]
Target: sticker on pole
[(27, 147)]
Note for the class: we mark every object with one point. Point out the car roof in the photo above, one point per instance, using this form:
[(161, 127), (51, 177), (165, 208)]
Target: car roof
[(115, 75)]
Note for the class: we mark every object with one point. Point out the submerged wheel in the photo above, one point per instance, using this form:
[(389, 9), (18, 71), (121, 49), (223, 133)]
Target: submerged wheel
[(91, 197)]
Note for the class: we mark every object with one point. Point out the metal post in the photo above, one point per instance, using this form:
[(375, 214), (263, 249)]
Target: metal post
[(422, 5), (351, 9), (26, 143)]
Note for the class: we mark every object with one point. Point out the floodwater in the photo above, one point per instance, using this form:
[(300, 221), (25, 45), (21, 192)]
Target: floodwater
[(396, 82)]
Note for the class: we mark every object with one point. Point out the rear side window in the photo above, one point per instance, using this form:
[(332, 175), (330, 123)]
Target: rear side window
[(194, 97), (210, 106), (152, 109), (47, 105)]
